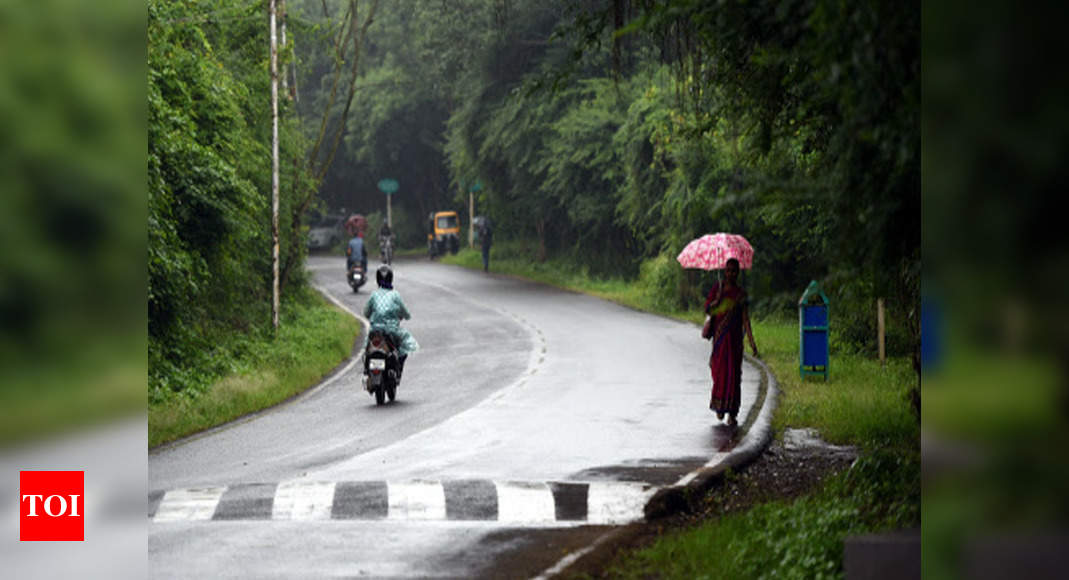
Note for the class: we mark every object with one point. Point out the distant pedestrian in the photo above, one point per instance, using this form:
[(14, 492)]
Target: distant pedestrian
[(486, 238), (728, 306)]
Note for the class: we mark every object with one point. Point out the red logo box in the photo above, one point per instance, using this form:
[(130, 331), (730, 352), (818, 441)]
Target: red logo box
[(52, 506)]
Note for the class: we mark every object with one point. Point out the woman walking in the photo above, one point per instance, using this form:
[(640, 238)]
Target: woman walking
[(728, 306)]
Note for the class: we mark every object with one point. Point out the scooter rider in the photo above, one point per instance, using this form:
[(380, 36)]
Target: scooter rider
[(356, 252), (384, 310)]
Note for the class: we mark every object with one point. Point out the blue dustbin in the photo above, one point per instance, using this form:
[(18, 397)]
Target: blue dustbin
[(813, 332)]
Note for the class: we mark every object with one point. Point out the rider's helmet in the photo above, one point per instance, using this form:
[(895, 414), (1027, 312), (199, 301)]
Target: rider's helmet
[(384, 276)]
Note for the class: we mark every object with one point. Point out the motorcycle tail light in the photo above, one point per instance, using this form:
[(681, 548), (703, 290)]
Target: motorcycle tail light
[(376, 340)]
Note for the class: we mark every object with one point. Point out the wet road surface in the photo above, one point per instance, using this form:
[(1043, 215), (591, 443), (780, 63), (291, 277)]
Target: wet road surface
[(530, 420)]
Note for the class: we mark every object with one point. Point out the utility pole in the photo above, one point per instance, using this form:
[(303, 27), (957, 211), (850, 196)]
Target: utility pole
[(274, 169), (282, 34)]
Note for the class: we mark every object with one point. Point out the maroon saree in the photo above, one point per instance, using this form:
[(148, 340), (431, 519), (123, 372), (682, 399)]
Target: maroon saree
[(725, 362)]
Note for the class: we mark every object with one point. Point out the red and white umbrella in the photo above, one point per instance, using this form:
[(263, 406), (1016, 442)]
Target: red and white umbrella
[(712, 251)]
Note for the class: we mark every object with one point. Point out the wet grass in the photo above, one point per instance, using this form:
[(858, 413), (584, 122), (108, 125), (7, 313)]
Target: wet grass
[(800, 539), (313, 338)]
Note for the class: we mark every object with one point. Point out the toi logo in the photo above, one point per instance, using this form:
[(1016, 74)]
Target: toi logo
[(51, 506)]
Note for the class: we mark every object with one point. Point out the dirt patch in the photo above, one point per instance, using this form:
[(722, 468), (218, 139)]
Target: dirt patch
[(784, 471)]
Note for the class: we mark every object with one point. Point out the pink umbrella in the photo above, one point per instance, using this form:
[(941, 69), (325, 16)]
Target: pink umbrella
[(355, 223), (712, 251)]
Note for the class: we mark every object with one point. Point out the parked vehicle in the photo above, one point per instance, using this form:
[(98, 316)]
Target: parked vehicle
[(326, 232), (356, 276), (381, 368), (443, 233)]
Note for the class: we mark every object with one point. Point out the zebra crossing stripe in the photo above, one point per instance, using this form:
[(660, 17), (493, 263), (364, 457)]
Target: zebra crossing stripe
[(525, 502), (303, 500), (416, 500), (570, 500), (616, 503), (188, 504), (360, 500), (507, 502), (246, 501), (470, 500)]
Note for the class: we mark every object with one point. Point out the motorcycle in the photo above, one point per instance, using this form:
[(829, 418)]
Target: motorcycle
[(356, 277), (381, 367)]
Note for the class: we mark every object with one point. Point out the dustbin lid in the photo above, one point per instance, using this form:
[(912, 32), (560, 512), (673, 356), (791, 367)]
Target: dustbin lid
[(812, 291)]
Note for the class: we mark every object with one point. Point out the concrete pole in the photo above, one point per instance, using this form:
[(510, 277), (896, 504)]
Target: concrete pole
[(274, 168)]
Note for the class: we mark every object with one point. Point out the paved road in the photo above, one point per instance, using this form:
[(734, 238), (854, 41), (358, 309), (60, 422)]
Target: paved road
[(531, 417)]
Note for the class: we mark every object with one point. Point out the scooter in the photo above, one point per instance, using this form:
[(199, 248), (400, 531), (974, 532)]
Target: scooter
[(381, 367), (356, 277)]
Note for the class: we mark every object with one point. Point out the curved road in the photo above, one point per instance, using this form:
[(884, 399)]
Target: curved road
[(530, 416)]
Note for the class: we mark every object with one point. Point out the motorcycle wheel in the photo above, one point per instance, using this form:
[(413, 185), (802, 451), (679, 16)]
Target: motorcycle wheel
[(380, 395)]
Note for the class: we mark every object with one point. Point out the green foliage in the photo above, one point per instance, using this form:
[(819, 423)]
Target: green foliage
[(606, 137), (262, 369), (209, 176)]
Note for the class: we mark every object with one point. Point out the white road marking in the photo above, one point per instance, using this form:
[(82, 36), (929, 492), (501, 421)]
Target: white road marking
[(303, 500), (713, 462), (416, 500), (617, 503), (525, 502), (189, 504)]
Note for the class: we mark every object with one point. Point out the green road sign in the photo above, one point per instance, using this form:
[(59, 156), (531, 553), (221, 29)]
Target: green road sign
[(388, 186)]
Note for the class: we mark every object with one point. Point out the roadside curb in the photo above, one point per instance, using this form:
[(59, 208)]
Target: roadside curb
[(683, 496)]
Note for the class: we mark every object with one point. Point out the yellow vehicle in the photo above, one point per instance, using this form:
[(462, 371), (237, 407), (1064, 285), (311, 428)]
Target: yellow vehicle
[(443, 235)]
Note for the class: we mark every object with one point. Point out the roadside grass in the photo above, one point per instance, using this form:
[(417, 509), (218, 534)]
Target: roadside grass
[(863, 403), (314, 337), (790, 539)]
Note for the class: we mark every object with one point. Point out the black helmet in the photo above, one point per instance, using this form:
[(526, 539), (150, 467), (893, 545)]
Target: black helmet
[(384, 276)]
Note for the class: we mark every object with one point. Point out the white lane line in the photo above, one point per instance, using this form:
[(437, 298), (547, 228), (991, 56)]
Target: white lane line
[(416, 500), (713, 462), (525, 502), (303, 500), (189, 504), (570, 559), (617, 503)]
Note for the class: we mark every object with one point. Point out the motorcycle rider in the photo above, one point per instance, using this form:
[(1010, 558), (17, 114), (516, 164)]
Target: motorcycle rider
[(356, 252), (384, 310)]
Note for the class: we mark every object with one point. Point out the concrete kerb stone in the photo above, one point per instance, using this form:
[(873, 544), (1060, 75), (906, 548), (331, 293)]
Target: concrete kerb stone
[(685, 495)]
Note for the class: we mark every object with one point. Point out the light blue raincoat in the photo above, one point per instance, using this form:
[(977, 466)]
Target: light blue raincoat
[(384, 310)]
